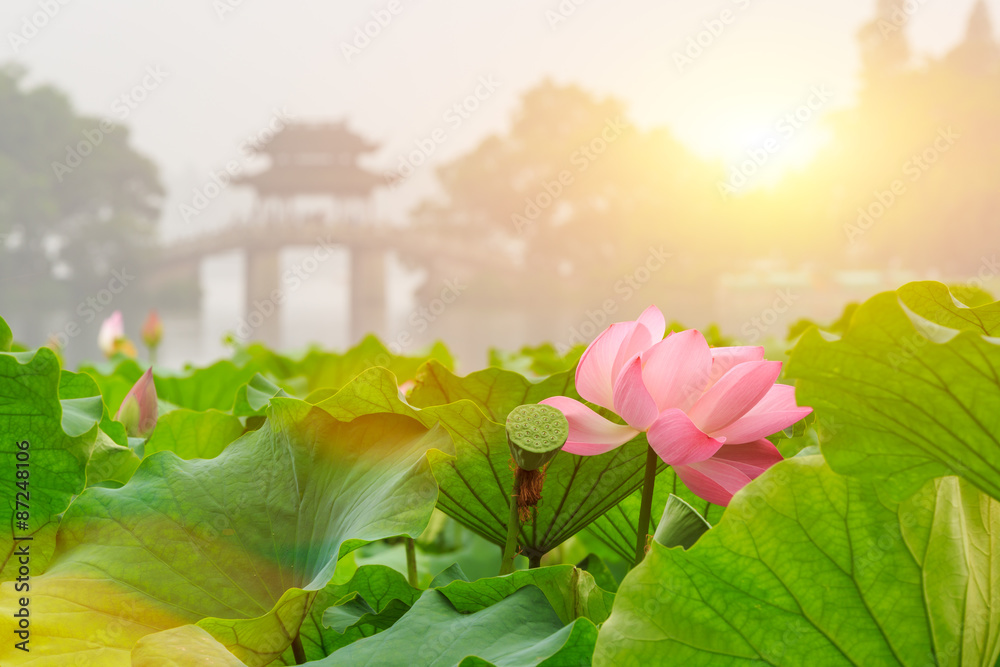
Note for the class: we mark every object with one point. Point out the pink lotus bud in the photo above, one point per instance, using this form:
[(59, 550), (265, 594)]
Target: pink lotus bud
[(152, 330), (138, 410), (112, 329), (54, 344)]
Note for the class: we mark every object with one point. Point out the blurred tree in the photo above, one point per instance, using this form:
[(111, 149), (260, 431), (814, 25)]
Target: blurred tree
[(932, 133), (572, 196), (578, 200), (76, 200), (978, 53), (884, 46)]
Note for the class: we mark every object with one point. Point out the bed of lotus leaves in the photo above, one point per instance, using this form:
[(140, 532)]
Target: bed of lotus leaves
[(270, 501)]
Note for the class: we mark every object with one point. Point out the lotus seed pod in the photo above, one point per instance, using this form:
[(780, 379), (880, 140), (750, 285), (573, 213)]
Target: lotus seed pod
[(535, 434)]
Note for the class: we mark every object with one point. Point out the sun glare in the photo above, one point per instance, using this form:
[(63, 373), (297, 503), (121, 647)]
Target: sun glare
[(755, 153)]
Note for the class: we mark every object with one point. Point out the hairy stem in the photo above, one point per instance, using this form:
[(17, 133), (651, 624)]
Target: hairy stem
[(645, 509), (298, 651), (513, 528), (411, 561)]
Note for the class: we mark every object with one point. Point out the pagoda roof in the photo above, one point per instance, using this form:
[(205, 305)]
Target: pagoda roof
[(289, 180), (331, 139)]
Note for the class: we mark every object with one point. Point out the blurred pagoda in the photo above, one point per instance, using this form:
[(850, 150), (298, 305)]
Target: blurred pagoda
[(314, 173), (313, 185)]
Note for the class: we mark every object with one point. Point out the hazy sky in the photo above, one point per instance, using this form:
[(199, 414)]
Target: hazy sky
[(226, 65)]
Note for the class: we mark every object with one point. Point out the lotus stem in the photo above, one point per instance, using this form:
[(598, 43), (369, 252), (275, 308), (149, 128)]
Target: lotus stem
[(646, 508), (513, 528), (298, 651), (534, 561), (411, 561), (535, 434)]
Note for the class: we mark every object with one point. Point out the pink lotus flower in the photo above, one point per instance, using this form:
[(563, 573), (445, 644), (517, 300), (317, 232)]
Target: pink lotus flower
[(138, 410), (112, 330), (705, 411)]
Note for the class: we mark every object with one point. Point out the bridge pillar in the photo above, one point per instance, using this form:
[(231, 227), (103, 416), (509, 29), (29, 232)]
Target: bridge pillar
[(368, 300), (263, 295)]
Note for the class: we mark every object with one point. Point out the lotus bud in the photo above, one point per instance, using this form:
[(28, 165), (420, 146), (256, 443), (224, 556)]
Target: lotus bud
[(112, 329), (54, 344), (152, 330), (138, 410)]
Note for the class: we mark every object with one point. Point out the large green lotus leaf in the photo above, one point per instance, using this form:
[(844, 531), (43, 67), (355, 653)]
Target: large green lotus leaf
[(362, 601), (80, 415), (332, 370), (495, 390), (572, 592), (519, 630), (680, 525), (253, 398), (377, 596), (30, 411), (194, 435), (970, 294), (599, 570), (213, 387), (111, 464), (617, 527), (808, 567), (473, 554), (540, 361), (903, 400), (114, 379), (74, 386), (476, 482), (238, 544), (112, 461), (6, 336), (935, 302), (182, 647), (369, 601)]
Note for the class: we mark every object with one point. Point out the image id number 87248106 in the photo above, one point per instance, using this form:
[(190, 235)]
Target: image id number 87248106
[(22, 542)]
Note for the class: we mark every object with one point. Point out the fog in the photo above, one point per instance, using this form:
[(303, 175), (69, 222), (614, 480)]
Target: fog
[(534, 170)]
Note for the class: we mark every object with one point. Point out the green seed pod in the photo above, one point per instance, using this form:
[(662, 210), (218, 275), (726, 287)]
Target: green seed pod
[(535, 433)]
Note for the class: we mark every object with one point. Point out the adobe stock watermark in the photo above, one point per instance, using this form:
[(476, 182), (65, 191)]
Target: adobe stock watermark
[(291, 279), (786, 128), (581, 158), (899, 17), (203, 196), (122, 107), (225, 7), (624, 289), (90, 308), (562, 12), (757, 326), (453, 118), (913, 169), (34, 23), (370, 30), (713, 28)]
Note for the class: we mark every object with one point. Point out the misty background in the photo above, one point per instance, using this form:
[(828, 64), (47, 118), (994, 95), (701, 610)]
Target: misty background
[(870, 129)]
